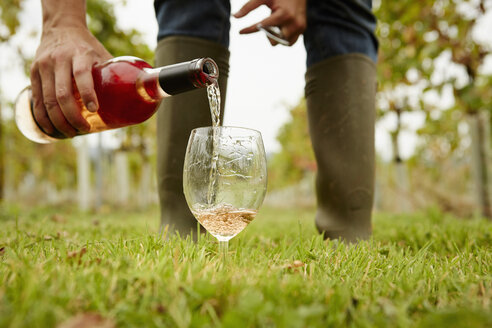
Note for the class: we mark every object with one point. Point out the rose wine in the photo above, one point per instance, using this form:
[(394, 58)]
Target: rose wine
[(128, 90), (224, 221)]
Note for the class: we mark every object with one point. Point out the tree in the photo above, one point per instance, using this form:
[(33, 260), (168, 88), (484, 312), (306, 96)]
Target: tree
[(9, 11), (415, 37), (296, 156)]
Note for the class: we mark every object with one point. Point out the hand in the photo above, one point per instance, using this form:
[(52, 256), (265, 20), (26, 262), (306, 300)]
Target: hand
[(65, 53), (288, 15)]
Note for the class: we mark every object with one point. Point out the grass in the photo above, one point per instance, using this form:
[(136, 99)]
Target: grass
[(419, 270)]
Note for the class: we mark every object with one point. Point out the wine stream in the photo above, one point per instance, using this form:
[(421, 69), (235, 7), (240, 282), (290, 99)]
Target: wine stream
[(213, 93)]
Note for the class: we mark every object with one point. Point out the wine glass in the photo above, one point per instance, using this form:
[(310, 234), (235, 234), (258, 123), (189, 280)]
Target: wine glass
[(224, 179)]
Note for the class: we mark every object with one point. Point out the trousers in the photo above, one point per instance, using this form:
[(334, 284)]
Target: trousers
[(334, 27)]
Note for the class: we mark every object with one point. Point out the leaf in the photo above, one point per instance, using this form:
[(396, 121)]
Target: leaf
[(294, 265), (88, 320), (58, 218), (77, 255)]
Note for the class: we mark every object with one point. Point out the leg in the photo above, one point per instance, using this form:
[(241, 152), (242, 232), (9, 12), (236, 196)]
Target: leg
[(180, 41), (340, 95)]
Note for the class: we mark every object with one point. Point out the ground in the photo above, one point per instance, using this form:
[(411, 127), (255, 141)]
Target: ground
[(112, 269)]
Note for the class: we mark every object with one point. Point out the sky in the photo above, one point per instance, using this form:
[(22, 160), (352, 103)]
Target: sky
[(264, 81)]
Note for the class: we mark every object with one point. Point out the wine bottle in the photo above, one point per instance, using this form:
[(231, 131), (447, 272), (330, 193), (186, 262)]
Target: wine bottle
[(128, 90)]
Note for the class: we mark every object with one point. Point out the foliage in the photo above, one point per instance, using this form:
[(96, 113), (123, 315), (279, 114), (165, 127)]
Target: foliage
[(296, 156), (103, 24), (9, 12), (9, 22), (421, 270), (415, 36)]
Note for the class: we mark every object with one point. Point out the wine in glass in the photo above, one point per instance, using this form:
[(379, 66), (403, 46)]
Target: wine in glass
[(224, 179)]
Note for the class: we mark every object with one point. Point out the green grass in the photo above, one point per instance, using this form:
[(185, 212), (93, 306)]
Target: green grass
[(420, 270)]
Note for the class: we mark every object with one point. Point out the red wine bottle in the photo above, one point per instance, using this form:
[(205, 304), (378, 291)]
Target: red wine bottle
[(128, 90)]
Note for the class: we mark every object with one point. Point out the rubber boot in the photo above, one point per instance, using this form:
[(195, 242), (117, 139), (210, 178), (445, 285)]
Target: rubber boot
[(176, 117), (340, 97)]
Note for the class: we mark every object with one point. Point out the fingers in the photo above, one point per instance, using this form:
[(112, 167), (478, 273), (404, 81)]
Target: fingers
[(275, 19), (272, 42), (286, 35), (55, 108), (291, 25), (290, 35), (248, 7), (288, 15), (38, 110), (65, 97), (50, 101), (82, 72)]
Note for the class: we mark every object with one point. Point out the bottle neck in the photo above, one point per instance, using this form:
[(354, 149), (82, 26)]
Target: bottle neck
[(155, 84), (182, 77)]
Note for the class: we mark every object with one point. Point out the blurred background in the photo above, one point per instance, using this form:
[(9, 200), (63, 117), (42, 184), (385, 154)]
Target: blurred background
[(433, 130)]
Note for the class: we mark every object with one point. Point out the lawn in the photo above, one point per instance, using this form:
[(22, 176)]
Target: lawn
[(66, 269)]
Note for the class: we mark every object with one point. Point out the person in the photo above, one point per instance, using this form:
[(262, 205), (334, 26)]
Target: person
[(339, 38)]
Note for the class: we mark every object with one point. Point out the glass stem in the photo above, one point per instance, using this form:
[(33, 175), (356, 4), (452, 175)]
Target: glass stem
[(223, 249)]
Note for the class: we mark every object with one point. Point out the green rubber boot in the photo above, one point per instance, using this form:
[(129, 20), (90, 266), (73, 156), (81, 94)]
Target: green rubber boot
[(340, 97), (177, 116)]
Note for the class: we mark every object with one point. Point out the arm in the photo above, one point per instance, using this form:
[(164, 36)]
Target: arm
[(67, 50), (289, 15)]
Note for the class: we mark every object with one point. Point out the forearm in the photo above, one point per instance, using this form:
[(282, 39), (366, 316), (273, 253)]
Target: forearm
[(64, 13)]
